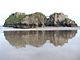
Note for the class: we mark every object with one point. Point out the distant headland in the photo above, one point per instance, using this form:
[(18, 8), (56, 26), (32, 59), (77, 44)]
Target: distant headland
[(38, 19)]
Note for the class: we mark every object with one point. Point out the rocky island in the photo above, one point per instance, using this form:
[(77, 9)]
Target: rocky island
[(38, 19)]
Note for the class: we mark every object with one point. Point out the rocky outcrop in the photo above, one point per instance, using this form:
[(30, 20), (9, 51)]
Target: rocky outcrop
[(21, 20), (59, 19), (68, 22), (14, 19), (34, 20)]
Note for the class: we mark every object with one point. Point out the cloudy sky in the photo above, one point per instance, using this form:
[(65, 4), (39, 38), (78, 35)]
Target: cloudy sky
[(68, 7)]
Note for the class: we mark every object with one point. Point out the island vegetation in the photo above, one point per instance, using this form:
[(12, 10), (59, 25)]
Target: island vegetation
[(38, 19)]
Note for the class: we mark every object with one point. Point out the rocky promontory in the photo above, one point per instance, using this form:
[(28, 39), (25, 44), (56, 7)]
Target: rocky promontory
[(37, 19)]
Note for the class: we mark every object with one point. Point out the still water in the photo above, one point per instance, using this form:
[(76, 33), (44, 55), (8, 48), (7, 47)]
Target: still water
[(40, 45)]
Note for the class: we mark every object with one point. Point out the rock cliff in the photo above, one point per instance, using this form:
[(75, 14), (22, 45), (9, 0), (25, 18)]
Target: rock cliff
[(37, 19), (59, 19)]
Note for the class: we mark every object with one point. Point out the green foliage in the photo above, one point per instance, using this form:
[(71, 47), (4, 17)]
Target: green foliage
[(15, 18), (18, 17)]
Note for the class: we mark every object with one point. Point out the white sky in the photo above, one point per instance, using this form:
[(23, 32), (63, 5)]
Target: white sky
[(68, 7)]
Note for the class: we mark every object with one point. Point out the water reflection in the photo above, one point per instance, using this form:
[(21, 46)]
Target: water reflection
[(38, 38)]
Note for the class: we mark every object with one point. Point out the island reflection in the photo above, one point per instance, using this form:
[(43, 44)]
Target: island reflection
[(38, 38)]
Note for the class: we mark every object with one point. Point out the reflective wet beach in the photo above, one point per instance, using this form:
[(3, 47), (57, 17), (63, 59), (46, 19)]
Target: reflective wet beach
[(40, 45)]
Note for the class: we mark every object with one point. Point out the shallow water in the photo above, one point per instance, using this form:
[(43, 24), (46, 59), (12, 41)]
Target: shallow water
[(40, 45)]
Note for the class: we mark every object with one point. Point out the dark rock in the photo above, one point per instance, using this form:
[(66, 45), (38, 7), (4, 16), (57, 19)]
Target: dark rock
[(68, 22), (59, 19)]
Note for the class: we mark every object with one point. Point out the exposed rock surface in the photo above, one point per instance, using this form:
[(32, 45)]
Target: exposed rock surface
[(59, 19), (21, 20), (34, 20)]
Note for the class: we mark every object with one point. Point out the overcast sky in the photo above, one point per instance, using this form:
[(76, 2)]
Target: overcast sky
[(68, 7)]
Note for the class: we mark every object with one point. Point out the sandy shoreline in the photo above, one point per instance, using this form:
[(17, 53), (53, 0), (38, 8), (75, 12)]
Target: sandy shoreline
[(42, 28)]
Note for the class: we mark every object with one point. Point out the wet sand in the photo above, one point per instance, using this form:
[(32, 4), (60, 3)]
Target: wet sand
[(41, 28)]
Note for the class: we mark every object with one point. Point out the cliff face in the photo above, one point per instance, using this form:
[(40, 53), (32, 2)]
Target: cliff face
[(34, 20), (21, 20), (14, 19), (59, 19)]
